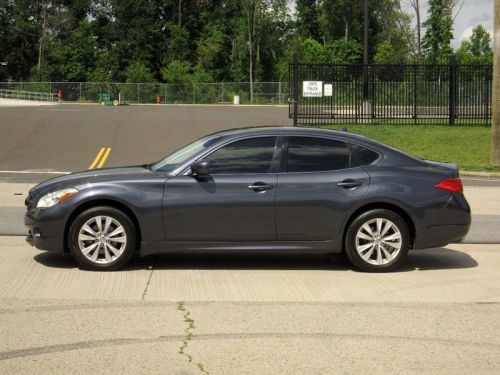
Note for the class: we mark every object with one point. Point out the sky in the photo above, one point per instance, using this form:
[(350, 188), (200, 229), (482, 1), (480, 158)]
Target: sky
[(471, 13)]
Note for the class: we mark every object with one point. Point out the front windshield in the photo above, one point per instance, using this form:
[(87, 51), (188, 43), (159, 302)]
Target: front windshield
[(182, 155)]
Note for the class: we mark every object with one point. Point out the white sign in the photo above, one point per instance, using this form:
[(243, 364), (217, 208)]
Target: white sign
[(328, 89), (312, 89)]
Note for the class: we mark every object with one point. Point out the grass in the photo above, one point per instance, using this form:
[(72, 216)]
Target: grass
[(469, 147)]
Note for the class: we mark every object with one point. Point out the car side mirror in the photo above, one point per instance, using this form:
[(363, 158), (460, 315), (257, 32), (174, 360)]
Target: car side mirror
[(199, 168)]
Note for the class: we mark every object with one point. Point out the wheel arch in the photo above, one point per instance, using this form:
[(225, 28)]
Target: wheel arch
[(101, 202), (382, 205)]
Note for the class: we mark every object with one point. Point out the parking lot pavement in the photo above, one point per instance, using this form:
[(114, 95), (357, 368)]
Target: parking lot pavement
[(250, 314), (457, 273)]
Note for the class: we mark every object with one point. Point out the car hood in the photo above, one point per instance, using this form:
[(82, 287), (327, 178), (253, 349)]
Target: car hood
[(89, 177)]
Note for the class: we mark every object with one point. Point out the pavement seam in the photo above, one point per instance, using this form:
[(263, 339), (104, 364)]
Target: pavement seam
[(147, 285), (181, 306)]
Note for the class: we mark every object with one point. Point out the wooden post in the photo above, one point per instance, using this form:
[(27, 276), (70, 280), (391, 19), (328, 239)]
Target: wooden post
[(495, 101)]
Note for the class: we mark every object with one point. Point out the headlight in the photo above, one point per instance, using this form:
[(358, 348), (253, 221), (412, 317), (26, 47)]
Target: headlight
[(55, 197)]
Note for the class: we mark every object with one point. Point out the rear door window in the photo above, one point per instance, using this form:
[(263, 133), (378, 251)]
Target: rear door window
[(313, 154)]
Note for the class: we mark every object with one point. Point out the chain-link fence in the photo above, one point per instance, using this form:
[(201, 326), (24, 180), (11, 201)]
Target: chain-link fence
[(161, 93)]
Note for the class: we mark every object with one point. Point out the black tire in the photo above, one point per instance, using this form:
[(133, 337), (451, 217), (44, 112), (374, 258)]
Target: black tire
[(382, 265), (127, 250)]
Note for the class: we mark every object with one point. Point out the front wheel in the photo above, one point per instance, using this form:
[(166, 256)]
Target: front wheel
[(102, 238), (377, 241)]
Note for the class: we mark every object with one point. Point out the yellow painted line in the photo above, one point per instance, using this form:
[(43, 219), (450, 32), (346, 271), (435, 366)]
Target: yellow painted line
[(103, 160), (94, 163)]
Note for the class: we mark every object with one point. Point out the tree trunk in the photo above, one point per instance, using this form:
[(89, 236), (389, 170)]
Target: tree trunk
[(42, 35), (180, 13), (495, 102), (346, 29), (251, 19), (419, 28)]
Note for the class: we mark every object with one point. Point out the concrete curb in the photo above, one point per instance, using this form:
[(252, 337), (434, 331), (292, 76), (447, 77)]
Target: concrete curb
[(479, 174)]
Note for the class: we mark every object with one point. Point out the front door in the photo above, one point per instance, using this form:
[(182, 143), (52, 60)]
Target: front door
[(234, 202)]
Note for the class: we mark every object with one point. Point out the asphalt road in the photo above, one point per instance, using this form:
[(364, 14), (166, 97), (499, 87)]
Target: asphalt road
[(68, 137)]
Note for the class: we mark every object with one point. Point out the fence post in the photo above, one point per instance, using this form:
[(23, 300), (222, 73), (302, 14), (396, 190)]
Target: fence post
[(80, 99), (222, 93), (165, 86), (279, 92), (415, 92), (295, 78), (138, 93), (453, 91), (194, 94)]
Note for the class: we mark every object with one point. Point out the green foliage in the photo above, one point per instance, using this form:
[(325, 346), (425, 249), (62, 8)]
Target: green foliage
[(387, 53), (138, 72), (476, 50), (307, 18), (177, 71), (193, 41), (439, 32)]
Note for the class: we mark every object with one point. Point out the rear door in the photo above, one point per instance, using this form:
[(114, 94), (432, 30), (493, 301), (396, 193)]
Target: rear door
[(318, 184), (235, 202)]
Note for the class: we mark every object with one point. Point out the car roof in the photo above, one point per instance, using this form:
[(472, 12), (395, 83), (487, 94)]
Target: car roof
[(390, 153), (296, 130)]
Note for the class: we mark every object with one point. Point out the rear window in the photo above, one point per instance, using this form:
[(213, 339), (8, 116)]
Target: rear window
[(361, 156), (315, 154)]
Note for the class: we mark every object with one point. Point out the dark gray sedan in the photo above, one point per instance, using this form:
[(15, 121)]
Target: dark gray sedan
[(258, 189)]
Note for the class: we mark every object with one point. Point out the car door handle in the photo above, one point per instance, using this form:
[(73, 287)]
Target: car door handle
[(260, 186), (350, 183)]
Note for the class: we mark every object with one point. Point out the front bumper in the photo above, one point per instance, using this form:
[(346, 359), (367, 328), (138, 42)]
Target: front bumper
[(45, 228)]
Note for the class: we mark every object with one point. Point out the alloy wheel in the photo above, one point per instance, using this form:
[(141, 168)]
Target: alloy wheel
[(378, 241), (102, 239)]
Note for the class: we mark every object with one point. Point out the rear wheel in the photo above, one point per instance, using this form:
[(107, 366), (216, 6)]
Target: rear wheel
[(377, 241), (102, 238)]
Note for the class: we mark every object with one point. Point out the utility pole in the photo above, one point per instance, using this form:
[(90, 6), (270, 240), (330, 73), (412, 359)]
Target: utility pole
[(495, 100)]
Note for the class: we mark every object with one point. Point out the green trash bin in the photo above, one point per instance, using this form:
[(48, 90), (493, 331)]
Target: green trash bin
[(105, 99)]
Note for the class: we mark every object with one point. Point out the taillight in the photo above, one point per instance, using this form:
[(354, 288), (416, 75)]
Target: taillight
[(451, 184)]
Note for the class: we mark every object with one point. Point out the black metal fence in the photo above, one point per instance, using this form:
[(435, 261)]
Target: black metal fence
[(451, 94)]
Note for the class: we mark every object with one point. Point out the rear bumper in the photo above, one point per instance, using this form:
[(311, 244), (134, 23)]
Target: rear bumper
[(451, 224), (441, 235)]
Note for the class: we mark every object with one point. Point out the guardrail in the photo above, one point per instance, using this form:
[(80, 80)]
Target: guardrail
[(28, 95)]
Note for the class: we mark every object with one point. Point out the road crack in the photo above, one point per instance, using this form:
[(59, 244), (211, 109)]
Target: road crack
[(181, 306), (147, 284)]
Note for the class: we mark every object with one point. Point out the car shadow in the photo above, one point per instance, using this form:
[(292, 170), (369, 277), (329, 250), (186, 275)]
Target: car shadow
[(420, 260)]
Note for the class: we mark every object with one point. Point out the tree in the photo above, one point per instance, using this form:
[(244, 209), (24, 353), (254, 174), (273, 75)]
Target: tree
[(477, 49), (415, 4), (177, 71), (307, 18), (138, 72), (438, 32)]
